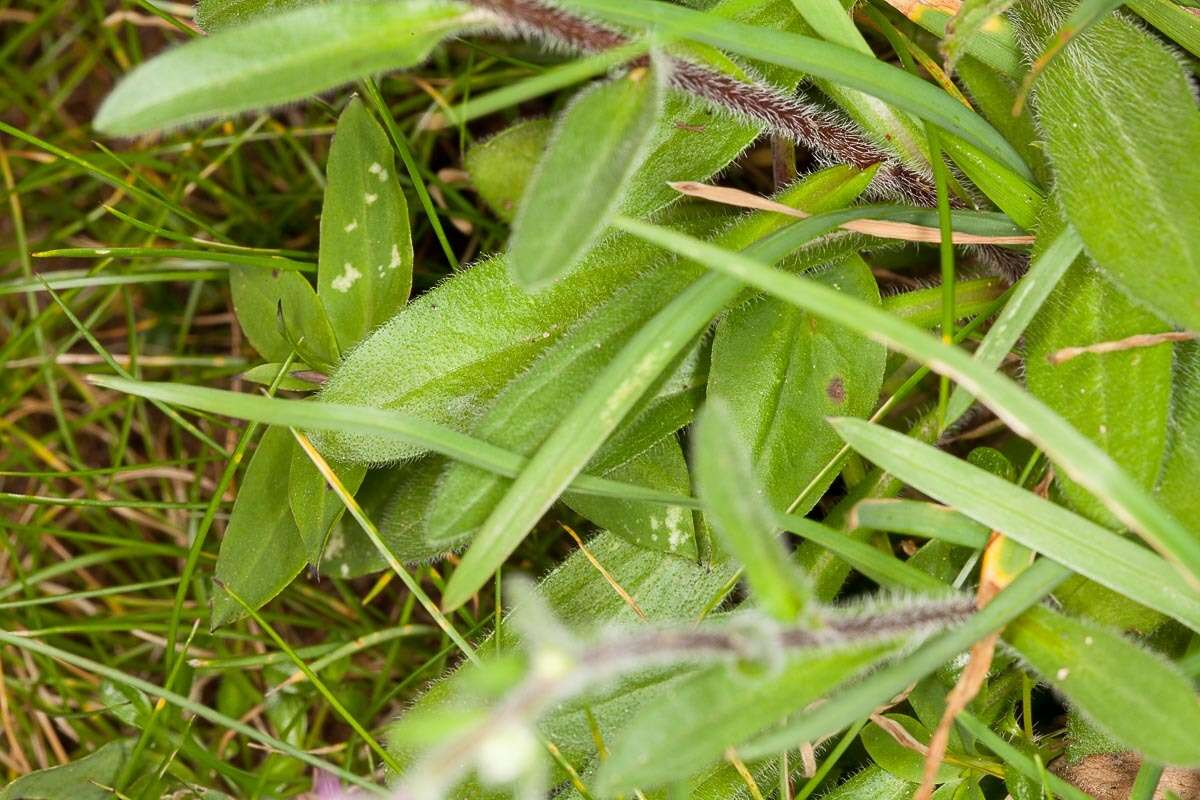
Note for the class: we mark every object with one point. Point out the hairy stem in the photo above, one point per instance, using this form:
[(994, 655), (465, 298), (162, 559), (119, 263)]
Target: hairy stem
[(830, 136)]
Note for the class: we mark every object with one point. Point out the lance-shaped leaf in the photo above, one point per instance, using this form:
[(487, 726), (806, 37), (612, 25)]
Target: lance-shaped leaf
[(1040, 525), (276, 59), (739, 510), (262, 551), (597, 146), (1116, 105), (782, 371), (1133, 694), (446, 355), (364, 273), (1119, 400)]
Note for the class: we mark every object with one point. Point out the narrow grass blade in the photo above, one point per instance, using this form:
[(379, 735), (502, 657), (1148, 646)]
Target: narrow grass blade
[(359, 419), (737, 507), (1071, 540), (1078, 456)]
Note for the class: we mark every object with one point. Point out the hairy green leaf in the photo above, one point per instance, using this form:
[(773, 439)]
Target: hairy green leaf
[(597, 146), (1116, 105), (500, 167), (781, 371), (364, 273), (276, 59), (1119, 400), (1133, 694), (1181, 467), (212, 15)]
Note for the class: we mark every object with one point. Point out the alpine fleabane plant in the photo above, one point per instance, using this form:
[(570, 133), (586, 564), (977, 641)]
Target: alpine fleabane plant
[(728, 399)]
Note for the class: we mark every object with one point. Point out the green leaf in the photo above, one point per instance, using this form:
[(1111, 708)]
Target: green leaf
[(396, 498), (1056, 249), (445, 355), (276, 59), (1024, 517), (1177, 21), (636, 368), (598, 144), (1117, 106), (832, 62), (972, 21), (81, 779), (666, 528), (212, 15), (525, 412), (305, 324), (1119, 400), (739, 510), (257, 293), (501, 167), (684, 730), (262, 551), (1133, 694), (781, 371), (906, 764), (1026, 415), (365, 421), (365, 266), (1181, 467), (872, 783), (915, 518), (315, 506)]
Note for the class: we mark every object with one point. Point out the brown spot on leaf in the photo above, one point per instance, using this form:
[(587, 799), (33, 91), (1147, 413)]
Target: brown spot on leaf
[(836, 390)]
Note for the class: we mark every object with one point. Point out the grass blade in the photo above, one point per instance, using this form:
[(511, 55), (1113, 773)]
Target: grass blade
[(1080, 458)]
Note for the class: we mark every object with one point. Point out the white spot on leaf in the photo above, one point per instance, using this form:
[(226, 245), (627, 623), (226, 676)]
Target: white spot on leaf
[(395, 262), (353, 224), (369, 198), (1062, 674), (344, 281)]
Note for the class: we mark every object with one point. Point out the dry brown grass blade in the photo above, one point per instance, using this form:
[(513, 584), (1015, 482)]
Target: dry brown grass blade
[(1128, 343), (882, 229)]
